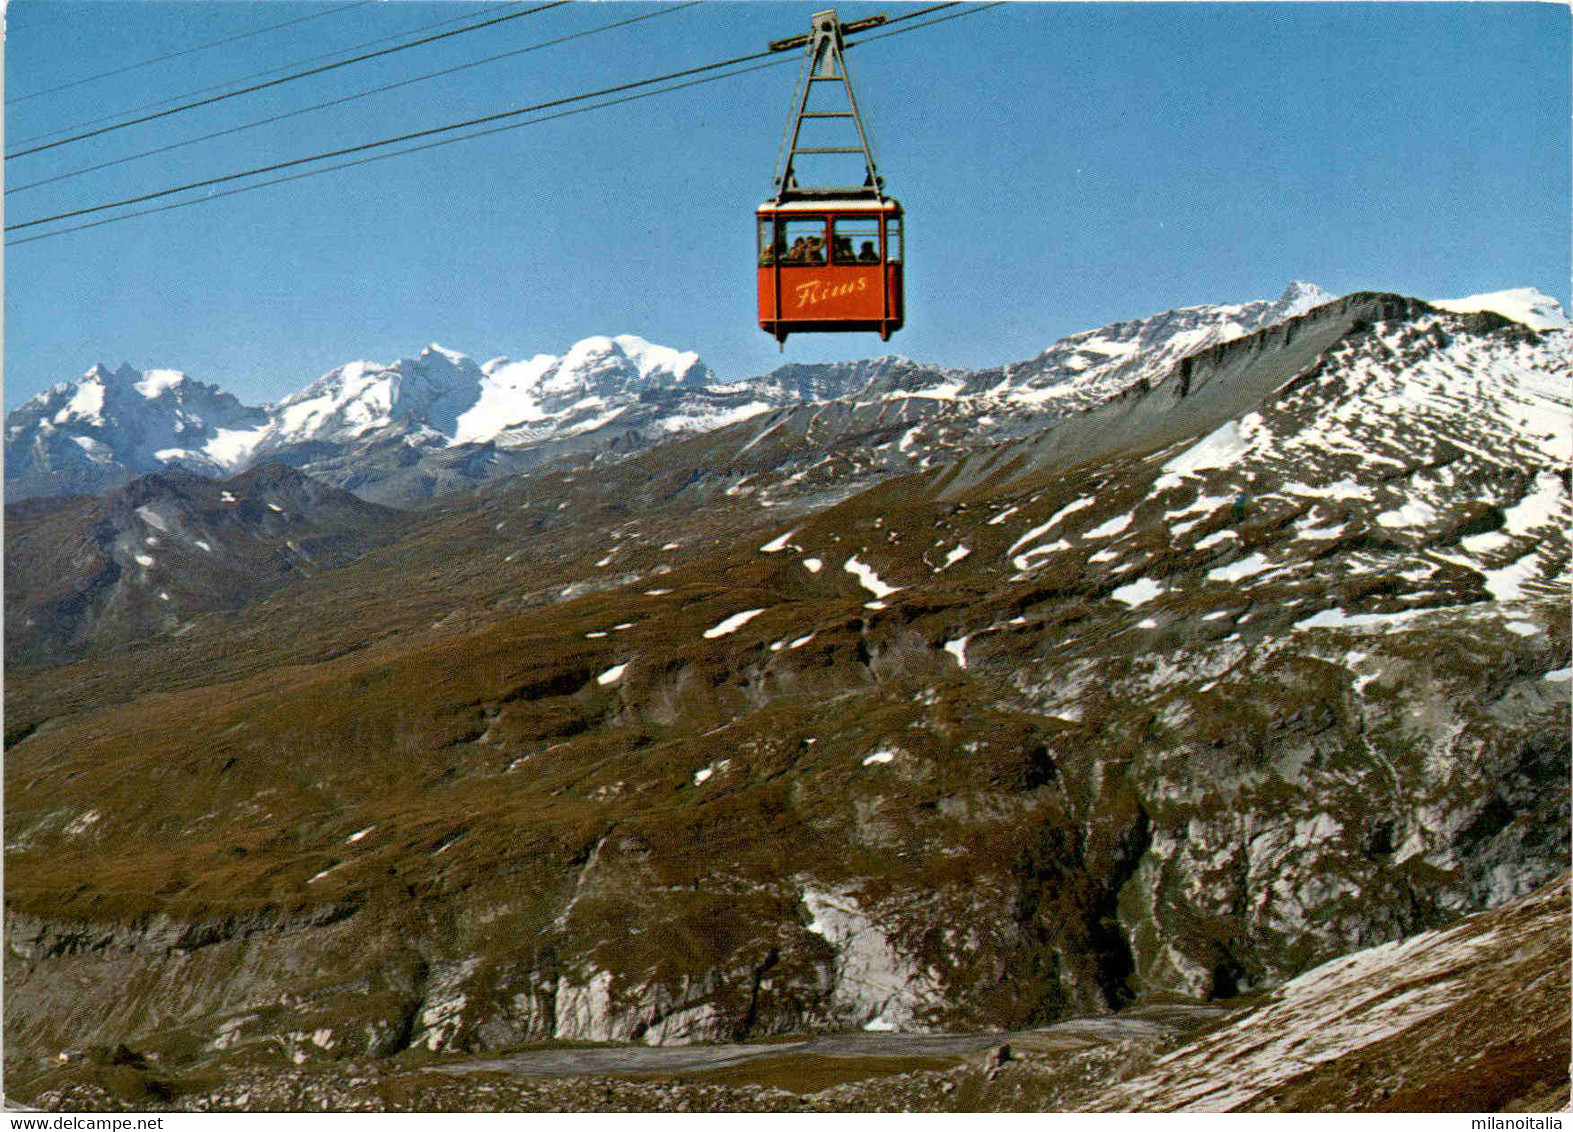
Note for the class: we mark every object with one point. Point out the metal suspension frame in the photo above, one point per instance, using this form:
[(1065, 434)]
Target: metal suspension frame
[(825, 62)]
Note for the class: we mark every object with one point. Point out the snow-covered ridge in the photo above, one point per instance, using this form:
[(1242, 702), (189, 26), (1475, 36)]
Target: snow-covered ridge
[(1093, 365), (142, 421), (109, 425), (1534, 309)]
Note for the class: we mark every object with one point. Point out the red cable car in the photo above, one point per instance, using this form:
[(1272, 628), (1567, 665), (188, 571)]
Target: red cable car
[(830, 257)]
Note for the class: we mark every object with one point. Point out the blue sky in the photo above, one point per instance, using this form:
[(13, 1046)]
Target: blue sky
[(1062, 166)]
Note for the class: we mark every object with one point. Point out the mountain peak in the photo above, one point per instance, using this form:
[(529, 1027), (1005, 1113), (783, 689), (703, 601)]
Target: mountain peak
[(452, 356), (1301, 296)]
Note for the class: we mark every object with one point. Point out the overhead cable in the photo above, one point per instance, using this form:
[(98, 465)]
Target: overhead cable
[(351, 97), (187, 51), (286, 79), (485, 118), (398, 152), (245, 78), (779, 61)]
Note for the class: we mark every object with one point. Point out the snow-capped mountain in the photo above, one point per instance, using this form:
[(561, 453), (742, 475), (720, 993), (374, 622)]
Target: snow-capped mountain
[(440, 422), (97, 432), (107, 426)]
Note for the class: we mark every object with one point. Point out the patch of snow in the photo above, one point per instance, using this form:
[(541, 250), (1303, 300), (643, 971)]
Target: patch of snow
[(1537, 509), (1112, 527), (1215, 538), (883, 755), (152, 518), (354, 837), (86, 404), (1414, 513), (82, 823), (869, 580), (155, 381), (1203, 503), (955, 555), (779, 543), (1068, 509), (1024, 561), (732, 623), (97, 450), (1220, 448), (1244, 568), (1138, 592), (612, 675), (958, 649), (1506, 584), (946, 391), (1338, 619), (813, 565)]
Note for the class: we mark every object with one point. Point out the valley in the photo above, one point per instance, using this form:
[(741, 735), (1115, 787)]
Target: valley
[(1138, 681)]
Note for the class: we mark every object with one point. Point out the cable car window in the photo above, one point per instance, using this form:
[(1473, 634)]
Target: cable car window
[(856, 239), (893, 249), (801, 241), (769, 252)]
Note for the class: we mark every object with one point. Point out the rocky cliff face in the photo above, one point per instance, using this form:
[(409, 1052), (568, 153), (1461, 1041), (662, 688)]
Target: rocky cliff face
[(1249, 667)]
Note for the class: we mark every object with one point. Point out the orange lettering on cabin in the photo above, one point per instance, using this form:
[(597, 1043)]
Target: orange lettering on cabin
[(815, 291)]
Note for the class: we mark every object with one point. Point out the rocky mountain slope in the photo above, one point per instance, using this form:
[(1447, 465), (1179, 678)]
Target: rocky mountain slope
[(1263, 660), (93, 573)]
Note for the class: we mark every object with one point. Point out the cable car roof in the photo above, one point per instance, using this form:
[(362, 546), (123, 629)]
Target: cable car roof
[(832, 203)]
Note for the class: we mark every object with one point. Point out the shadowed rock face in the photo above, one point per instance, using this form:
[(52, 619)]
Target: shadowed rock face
[(747, 735)]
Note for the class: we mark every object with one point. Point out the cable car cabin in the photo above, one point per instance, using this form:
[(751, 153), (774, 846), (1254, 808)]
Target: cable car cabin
[(830, 263)]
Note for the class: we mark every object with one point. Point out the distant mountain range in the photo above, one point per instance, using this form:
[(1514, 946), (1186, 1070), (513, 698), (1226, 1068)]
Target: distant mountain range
[(439, 422)]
